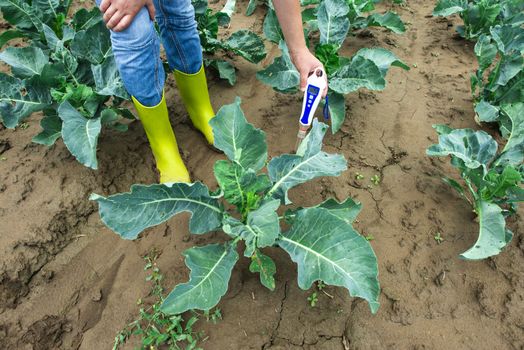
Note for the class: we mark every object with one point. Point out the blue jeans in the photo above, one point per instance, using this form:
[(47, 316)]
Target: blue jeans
[(137, 48)]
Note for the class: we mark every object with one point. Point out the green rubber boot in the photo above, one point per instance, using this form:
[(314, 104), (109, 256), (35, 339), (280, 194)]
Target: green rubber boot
[(194, 93), (162, 141)]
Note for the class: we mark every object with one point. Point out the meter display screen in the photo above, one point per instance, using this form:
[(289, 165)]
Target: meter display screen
[(313, 90)]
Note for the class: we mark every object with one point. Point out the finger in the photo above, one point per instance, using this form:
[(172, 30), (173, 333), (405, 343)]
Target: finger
[(113, 22), (324, 93), (104, 5), (109, 13), (323, 74), (151, 9), (304, 74), (124, 23)]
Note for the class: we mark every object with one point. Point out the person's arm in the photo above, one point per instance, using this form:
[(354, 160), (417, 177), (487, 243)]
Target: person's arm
[(290, 19)]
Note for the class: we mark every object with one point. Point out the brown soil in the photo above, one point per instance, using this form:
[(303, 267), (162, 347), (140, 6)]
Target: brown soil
[(67, 282)]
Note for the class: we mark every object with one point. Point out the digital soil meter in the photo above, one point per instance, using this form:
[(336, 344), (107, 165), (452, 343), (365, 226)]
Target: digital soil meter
[(316, 83)]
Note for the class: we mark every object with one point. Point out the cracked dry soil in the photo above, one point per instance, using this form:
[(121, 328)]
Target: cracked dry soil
[(67, 282)]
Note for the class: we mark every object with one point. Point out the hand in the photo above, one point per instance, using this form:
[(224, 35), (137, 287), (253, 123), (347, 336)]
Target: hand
[(118, 14), (306, 63)]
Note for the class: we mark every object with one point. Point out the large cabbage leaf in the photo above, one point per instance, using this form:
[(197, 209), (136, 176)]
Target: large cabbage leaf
[(92, 44), (347, 210), (389, 20), (448, 7), (20, 14), (25, 61), (290, 170), (281, 74), (247, 45), (80, 134), (333, 22), (271, 27), (239, 140), (492, 233), (210, 267), (382, 58), (515, 113), (359, 73), (51, 130), (18, 100), (326, 248), (337, 110), (474, 148), (107, 79), (145, 206)]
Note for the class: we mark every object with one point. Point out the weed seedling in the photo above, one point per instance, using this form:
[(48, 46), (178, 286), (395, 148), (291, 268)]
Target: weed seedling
[(155, 328), (369, 237), (438, 238), (359, 176), (321, 287), (313, 299), (214, 316), (375, 179)]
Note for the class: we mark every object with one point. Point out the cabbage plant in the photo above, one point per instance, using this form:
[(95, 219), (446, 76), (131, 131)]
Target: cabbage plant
[(243, 42), (320, 239), (492, 180), (499, 79), (66, 70), (480, 15)]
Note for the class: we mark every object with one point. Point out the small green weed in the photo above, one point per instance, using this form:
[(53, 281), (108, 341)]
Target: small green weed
[(359, 176), (375, 179), (214, 316), (313, 299), (438, 238), (155, 328), (321, 285)]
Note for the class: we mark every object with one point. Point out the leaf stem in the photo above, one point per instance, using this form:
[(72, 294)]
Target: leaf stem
[(471, 190), (68, 6)]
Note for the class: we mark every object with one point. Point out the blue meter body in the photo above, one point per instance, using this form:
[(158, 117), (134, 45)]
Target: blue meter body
[(311, 97)]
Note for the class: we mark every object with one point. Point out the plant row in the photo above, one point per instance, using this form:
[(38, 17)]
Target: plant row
[(492, 174)]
